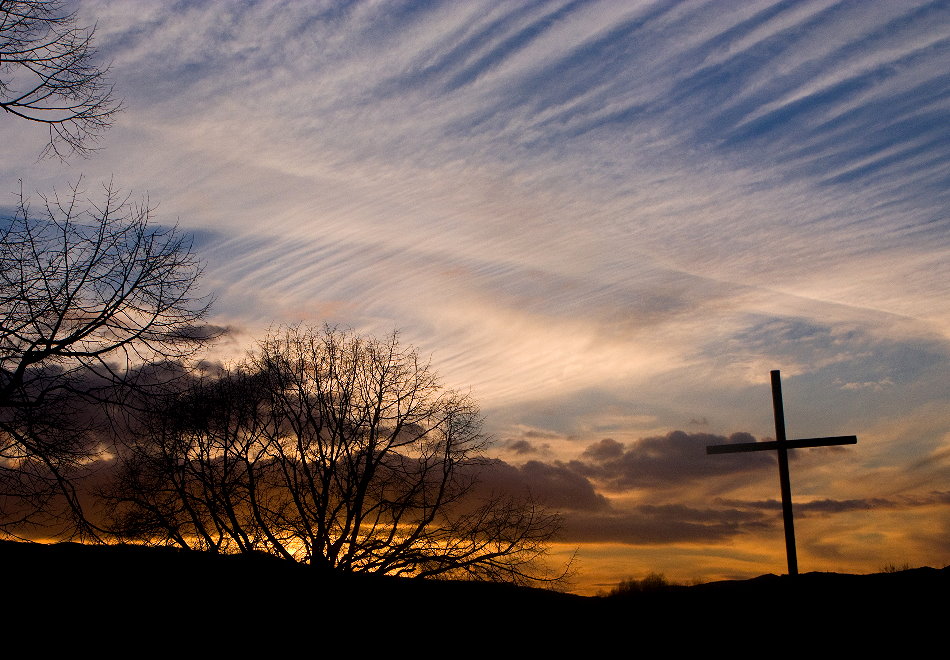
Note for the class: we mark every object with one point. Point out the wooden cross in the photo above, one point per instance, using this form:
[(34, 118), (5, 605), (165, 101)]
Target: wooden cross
[(781, 445)]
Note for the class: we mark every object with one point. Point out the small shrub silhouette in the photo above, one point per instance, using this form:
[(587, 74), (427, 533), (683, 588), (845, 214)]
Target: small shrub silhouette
[(653, 582)]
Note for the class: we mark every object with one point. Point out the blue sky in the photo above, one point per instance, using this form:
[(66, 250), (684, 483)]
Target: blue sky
[(610, 220)]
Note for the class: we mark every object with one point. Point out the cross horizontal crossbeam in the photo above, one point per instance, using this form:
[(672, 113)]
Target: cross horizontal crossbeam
[(802, 443)]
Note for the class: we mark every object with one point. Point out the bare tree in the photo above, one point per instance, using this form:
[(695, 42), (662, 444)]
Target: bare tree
[(48, 75), (334, 449), (184, 466), (90, 293)]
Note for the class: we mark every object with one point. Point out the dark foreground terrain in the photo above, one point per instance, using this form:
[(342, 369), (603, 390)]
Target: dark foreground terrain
[(161, 597)]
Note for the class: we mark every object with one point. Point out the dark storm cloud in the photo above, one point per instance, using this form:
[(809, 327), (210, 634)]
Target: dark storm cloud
[(544, 435), (204, 332), (522, 447), (662, 461), (829, 506), (660, 524), (607, 449), (554, 486)]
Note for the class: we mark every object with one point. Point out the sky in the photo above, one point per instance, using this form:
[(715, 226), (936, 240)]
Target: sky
[(608, 221)]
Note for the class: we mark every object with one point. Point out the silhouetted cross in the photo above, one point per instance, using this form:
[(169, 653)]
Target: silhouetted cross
[(781, 445)]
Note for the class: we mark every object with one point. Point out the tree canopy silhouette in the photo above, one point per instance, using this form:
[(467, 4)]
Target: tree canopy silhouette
[(329, 448), (48, 75), (90, 292)]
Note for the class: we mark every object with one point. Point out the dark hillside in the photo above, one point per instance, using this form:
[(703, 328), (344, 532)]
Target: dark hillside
[(139, 589)]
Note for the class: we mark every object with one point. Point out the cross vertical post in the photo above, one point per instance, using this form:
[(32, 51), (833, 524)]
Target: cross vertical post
[(784, 480), (781, 445)]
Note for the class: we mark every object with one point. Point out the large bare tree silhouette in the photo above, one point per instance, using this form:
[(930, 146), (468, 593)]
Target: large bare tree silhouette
[(90, 292), (329, 448)]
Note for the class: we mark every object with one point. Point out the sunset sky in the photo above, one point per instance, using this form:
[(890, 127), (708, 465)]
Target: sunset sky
[(607, 220)]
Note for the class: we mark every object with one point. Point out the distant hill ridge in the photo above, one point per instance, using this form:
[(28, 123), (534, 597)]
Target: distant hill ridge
[(131, 585)]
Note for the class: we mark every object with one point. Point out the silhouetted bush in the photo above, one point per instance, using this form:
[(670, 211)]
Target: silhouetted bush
[(652, 583)]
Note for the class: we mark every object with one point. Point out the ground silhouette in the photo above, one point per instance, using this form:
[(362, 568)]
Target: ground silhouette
[(166, 593)]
